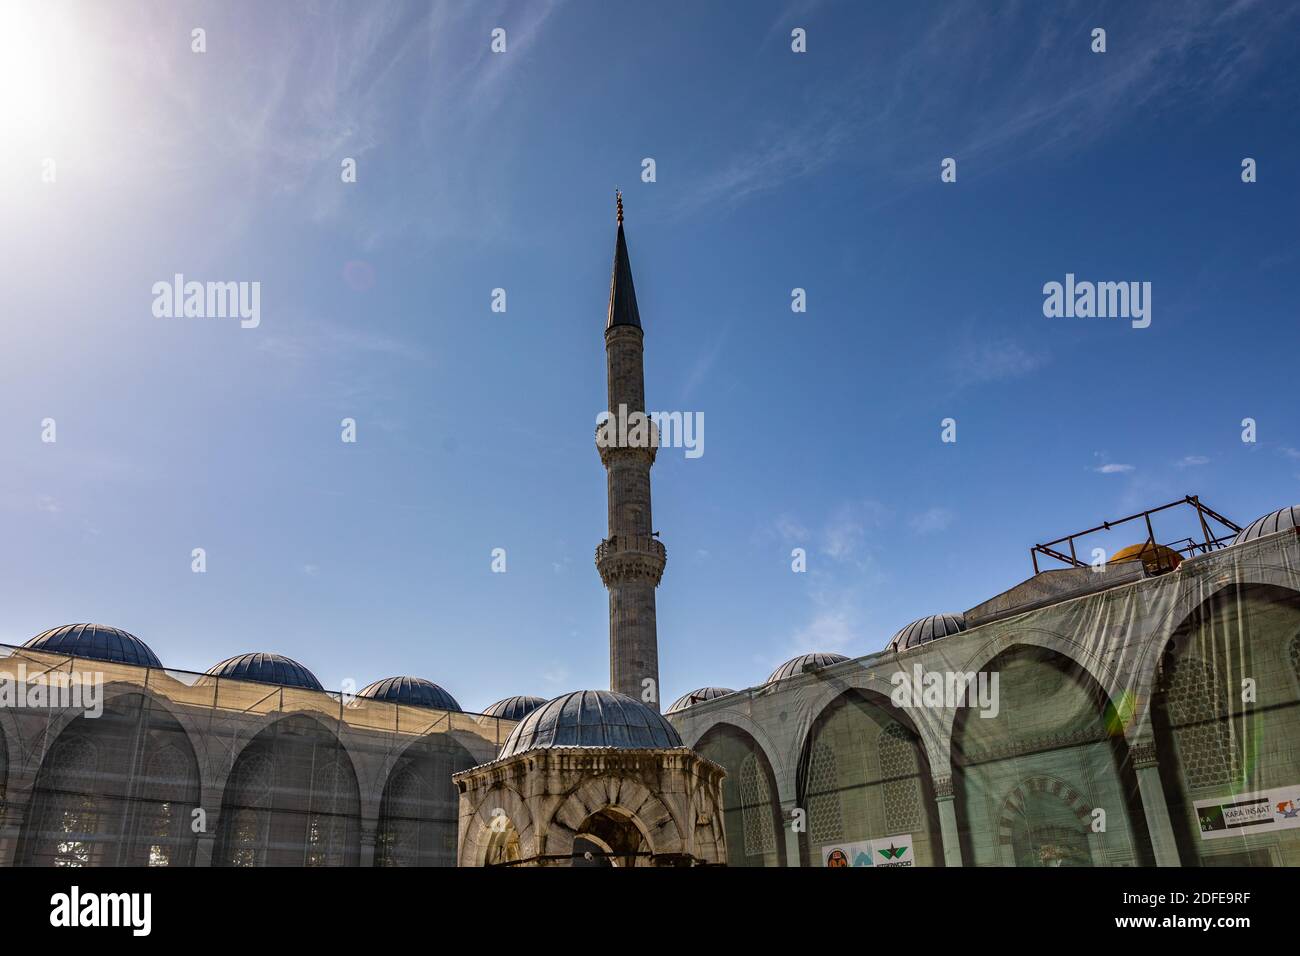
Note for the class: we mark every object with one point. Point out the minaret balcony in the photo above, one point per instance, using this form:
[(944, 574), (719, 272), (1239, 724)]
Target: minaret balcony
[(631, 558), (611, 445)]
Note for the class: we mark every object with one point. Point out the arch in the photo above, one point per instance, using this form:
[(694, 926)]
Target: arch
[(774, 756), (751, 807), (291, 799), (1237, 570), (419, 808), (1028, 836), (1081, 655), (1213, 740), (660, 831), (499, 830), (59, 719), (615, 837), (116, 790), (864, 774), (1054, 721)]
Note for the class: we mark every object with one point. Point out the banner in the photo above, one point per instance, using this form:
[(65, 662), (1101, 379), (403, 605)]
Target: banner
[(889, 851), (1246, 813)]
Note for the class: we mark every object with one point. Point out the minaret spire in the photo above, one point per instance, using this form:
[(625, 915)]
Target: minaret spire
[(631, 559)]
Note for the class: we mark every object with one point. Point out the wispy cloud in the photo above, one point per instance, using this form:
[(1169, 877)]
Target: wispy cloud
[(1113, 468), (924, 85), (1192, 461), (931, 521)]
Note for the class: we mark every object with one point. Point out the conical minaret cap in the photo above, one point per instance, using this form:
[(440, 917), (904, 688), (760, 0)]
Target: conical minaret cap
[(622, 294)]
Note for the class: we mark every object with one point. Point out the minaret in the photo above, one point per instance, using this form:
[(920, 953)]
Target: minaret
[(630, 560)]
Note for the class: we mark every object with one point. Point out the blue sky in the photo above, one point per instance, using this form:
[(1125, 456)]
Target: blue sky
[(476, 170)]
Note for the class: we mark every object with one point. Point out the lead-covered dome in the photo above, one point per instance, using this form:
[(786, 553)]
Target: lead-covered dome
[(266, 669), (415, 691), (96, 641), (592, 718), (696, 696), (515, 708), (1281, 520), (804, 662), (927, 629)]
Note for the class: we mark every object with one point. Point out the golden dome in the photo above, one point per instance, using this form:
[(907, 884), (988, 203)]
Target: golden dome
[(1155, 557)]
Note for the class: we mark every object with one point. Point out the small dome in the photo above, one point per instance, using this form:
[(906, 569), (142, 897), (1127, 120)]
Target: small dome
[(96, 641), (927, 629), (415, 691), (695, 696), (1281, 520), (266, 669), (1155, 558), (805, 662), (514, 708), (592, 718)]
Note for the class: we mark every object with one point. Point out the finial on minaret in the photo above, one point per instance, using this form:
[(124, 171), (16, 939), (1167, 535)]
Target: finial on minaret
[(618, 198)]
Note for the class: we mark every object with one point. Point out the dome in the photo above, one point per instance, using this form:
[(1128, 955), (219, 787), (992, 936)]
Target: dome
[(1281, 520), (927, 629), (1155, 558), (415, 691), (266, 669), (695, 696), (805, 662), (592, 718), (515, 708), (97, 641)]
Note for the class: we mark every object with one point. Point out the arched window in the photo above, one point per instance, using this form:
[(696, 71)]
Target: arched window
[(398, 840), (1044, 828), (756, 808), (163, 809), (248, 827), (419, 813), (824, 823), (1198, 714), (115, 790), (751, 810), (69, 813), (902, 782), (291, 800)]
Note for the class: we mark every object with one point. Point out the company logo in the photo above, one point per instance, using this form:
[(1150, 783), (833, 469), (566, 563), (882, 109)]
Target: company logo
[(73, 909), (892, 852)]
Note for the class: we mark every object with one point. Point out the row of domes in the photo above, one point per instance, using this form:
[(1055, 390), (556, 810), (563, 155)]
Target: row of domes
[(582, 716), (926, 629), (103, 643)]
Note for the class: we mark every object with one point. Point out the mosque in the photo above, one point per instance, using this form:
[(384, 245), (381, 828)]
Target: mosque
[(1146, 712)]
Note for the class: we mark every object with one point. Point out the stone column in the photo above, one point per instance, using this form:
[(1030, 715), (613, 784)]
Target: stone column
[(369, 832), (945, 800), (792, 854), (1154, 808)]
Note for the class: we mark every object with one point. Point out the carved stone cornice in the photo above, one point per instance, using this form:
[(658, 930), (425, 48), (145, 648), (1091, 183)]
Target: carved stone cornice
[(611, 453), (943, 786), (631, 559), (1143, 754)]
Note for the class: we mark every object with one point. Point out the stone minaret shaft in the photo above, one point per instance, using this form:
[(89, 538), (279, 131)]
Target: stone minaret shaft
[(630, 561)]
